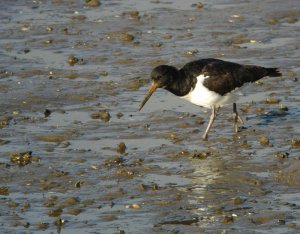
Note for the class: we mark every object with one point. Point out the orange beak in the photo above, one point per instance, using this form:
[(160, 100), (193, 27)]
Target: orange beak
[(151, 90)]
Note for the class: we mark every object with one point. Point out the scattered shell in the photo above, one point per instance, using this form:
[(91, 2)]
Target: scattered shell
[(78, 17), (55, 213), (102, 114), (272, 101), (49, 41), (42, 225), (134, 14), (3, 142), (70, 201), (168, 37), (201, 155), (291, 20), (133, 86), (237, 201), (121, 148), (264, 141), (47, 113), (199, 5), (59, 222), (282, 155), (155, 187), (21, 158), (295, 143), (283, 107), (4, 121), (228, 219), (133, 206), (120, 232), (4, 191), (78, 184), (114, 161), (52, 138), (291, 73), (271, 21), (109, 218), (92, 3), (74, 211), (49, 29), (103, 73), (72, 60), (259, 83), (157, 44), (126, 173), (119, 116), (126, 37), (192, 52)]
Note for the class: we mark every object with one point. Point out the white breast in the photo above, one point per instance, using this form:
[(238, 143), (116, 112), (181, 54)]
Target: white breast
[(202, 96)]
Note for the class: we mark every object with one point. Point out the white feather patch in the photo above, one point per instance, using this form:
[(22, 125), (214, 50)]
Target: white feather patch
[(202, 96)]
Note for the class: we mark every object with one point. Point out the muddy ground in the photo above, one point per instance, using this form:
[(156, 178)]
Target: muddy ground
[(77, 156)]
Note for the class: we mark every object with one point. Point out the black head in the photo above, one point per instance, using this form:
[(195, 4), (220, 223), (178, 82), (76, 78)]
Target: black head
[(162, 76)]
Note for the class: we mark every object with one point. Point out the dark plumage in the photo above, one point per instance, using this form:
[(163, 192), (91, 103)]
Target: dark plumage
[(208, 82)]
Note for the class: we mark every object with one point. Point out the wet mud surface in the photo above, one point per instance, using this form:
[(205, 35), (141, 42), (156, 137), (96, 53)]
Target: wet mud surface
[(77, 156)]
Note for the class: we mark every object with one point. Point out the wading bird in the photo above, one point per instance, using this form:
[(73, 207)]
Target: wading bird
[(210, 83)]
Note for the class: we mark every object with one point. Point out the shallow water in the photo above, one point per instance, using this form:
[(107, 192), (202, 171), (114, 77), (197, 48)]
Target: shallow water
[(168, 180)]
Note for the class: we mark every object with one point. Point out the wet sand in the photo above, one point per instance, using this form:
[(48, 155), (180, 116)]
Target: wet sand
[(77, 156)]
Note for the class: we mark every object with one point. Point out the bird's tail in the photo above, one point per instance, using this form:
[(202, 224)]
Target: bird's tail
[(273, 72)]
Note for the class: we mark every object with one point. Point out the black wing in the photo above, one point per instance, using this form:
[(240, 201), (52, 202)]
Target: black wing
[(227, 76)]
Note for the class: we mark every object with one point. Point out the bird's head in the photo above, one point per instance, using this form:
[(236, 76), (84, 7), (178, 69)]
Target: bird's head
[(162, 76)]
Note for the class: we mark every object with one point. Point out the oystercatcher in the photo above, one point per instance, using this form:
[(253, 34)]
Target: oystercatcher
[(210, 83)]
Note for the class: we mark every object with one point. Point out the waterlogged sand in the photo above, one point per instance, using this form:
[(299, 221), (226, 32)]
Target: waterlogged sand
[(77, 156)]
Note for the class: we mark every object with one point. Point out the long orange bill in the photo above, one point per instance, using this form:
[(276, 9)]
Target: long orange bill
[(151, 90)]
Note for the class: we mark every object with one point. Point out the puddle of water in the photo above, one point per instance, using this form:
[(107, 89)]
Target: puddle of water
[(167, 180), (63, 119), (111, 144), (193, 195)]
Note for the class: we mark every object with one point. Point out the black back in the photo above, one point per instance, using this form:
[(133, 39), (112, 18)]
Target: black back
[(225, 76)]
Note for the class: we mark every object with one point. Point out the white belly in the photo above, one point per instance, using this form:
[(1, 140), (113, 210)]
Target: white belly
[(202, 96)]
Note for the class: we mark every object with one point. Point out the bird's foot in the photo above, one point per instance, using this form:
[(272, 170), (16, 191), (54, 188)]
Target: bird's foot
[(236, 127), (237, 118), (205, 137)]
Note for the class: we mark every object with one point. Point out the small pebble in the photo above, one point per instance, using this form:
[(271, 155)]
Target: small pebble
[(42, 225), (283, 107), (4, 191), (55, 213), (271, 21), (72, 60), (103, 73), (103, 115), (272, 101), (237, 201), (47, 113), (291, 20), (121, 148), (199, 5), (21, 158), (295, 143), (64, 144), (92, 3), (201, 155), (227, 219), (282, 155), (133, 206), (126, 37), (134, 14), (264, 141), (119, 115)]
